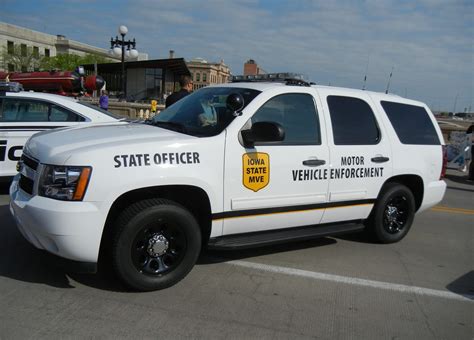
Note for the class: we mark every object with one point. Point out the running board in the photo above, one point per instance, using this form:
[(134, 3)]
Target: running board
[(270, 237)]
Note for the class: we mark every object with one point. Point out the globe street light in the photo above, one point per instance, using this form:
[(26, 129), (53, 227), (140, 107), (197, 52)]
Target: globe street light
[(118, 49)]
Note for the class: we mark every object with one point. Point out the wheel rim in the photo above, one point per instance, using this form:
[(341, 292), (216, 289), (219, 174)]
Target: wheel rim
[(158, 249), (396, 214)]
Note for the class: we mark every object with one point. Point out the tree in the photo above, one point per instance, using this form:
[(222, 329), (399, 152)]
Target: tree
[(68, 62), (23, 58), (26, 59)]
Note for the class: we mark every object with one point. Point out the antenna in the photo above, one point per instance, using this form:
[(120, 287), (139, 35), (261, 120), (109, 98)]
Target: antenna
[(389, 79), (366, 69)]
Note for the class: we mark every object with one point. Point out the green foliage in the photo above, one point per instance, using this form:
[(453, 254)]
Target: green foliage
[(22, 59), (27, 60), (68, 62)]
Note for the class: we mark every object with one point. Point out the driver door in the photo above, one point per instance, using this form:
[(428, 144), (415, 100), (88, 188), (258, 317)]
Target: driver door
[(275, 185)]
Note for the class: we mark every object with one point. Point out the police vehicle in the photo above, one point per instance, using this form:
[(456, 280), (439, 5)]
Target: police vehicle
[(24, 113), (253, 162)]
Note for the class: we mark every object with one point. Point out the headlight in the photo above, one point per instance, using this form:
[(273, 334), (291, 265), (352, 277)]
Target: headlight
[(67, 183)]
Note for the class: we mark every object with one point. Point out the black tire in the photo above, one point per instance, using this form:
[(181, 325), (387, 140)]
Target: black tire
[(393, 214), (156, 244)]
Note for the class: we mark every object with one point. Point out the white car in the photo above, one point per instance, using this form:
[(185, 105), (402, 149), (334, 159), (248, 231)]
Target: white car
[(23, 114), (229, 166)]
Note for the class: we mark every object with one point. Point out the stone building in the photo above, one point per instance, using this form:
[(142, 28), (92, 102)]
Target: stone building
[(205, 73), (47, 45)]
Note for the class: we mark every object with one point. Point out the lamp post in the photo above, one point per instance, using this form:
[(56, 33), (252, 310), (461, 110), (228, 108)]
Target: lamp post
[(117, 47)]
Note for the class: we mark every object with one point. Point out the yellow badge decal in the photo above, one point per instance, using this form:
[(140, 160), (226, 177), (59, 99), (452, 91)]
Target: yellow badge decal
[(256, 170)]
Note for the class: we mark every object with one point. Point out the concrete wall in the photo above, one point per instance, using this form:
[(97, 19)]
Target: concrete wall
[(125, 109)]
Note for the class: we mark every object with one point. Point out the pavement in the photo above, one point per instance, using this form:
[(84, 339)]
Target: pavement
[(329, 288)]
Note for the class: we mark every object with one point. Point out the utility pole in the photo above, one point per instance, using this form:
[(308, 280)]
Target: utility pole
[(455, 102)]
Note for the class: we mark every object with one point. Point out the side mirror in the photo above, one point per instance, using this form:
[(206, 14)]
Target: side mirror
[(263, 132), (235, 103)]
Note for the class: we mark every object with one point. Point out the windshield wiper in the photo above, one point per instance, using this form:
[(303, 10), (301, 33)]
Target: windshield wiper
[(171, 126)]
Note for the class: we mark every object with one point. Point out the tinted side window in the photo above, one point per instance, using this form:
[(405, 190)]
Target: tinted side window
[(353, 121), (296, 112), (20, 110), (411, 123), (60, 114)]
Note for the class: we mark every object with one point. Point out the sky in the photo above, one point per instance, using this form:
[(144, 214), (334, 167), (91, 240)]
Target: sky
[(428, 43)]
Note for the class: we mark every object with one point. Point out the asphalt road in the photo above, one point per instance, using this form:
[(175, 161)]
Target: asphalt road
[(330, 288)]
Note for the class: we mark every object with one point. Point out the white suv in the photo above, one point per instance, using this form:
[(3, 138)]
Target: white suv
[(23, 114), (229, 166)]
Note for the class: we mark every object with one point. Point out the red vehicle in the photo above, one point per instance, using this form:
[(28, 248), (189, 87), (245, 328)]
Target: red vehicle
[(67, 83)]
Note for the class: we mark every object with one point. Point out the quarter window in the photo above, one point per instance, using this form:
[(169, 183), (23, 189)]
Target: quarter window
[(296, 113), (411, 123), (60, 114), (353, 121)]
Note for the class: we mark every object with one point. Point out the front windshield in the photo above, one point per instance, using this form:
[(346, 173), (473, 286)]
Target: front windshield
[(203, 113)]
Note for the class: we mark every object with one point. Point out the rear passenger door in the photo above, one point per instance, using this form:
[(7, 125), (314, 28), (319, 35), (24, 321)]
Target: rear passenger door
[(22, 117), (360, 157)]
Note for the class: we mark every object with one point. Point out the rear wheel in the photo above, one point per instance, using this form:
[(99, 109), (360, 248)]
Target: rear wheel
[(393, 214), (156, 244)]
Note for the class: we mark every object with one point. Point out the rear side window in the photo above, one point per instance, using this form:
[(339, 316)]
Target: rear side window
[(411, 123), (353, 121), (15, 110)]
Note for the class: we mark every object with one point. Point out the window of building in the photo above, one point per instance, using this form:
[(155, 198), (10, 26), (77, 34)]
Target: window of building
[(296, 113), (204, 77), (46, 52), (411, 123), (23, 50), (192, 76), (10, 47), (353, 121), (36, 51), (153, 80), (198, 77)]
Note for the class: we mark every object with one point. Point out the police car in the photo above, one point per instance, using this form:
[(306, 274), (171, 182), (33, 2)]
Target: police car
[(252, 162), (24, 113)]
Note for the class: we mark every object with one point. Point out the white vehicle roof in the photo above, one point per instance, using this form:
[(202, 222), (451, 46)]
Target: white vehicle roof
[(264, 86)]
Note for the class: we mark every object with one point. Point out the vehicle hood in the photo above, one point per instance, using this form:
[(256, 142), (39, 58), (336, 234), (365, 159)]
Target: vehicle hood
[(55, 146)]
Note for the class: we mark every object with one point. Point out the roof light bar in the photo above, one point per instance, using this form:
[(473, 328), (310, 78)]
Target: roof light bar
[(287, 77)]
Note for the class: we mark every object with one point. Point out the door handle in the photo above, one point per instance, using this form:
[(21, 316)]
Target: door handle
[(314, 162), (380, 159)]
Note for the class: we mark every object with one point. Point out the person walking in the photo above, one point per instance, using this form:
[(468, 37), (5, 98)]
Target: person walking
[(186, 85), (104, 100), (470, 168)]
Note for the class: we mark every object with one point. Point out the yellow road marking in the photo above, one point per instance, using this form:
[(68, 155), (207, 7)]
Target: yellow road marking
[(453, 210)]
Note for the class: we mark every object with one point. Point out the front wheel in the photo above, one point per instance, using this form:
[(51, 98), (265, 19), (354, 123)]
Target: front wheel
[(393, 214), (156, 244)]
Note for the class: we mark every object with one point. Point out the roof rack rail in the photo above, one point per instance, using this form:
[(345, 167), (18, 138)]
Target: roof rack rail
[(294, 79), (11, 86)]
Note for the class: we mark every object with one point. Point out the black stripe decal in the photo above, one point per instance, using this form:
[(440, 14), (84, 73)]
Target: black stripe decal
[(264, 211)]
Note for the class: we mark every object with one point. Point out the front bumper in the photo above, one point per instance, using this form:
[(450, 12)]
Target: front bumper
[(71, 230)]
